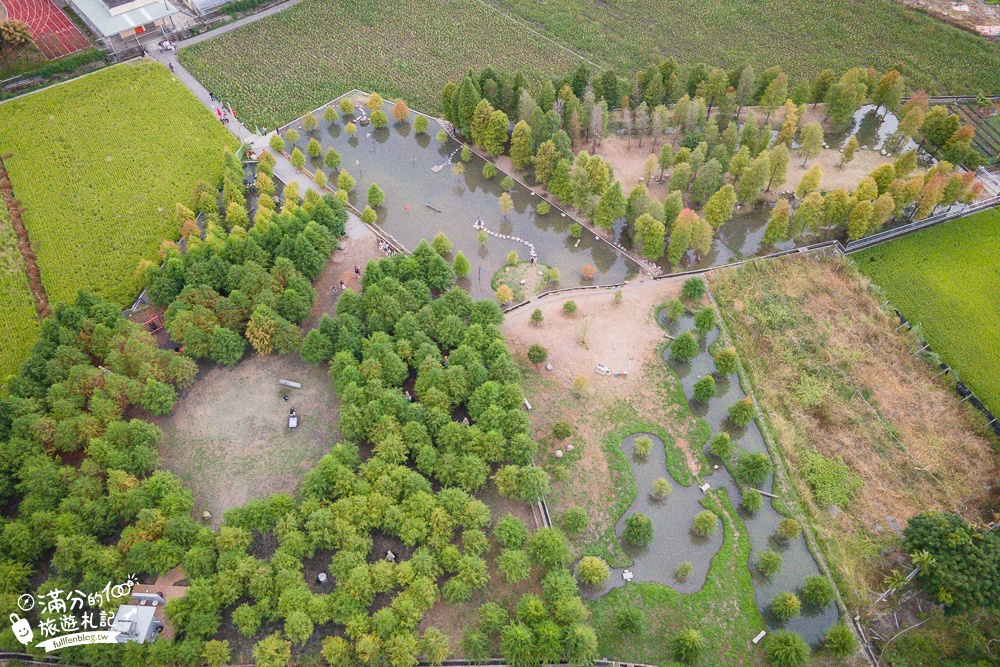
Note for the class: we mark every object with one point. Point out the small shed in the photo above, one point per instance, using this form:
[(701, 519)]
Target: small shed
[(136, 623)]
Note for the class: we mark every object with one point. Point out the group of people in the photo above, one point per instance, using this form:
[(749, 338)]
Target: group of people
[(167, 45), (385, 248), (223, 115)]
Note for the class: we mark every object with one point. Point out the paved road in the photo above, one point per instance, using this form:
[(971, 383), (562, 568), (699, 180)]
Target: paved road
[(241, 22)]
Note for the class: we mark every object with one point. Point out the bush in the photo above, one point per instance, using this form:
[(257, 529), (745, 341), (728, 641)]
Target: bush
[(514, 565), (753, 501), (638, 530), (693, 289), (817, 591), (581, 386), (725, 361), (674, 310), (786, 649), (441, 244), (552, 275), (512, 258), (507, 183), (369, 216), (722, 446), (643, 446), (704, 321), (661, 488), (504, 294), (752, 469), (511, 532), (785, 606), (375, 196), (537, 317), (543, 208), (587, 272), (630, 620), (704, 389), (548, 547), (687, 645), (788, 529), (840, 641), (346, 106), (569, 308), (576, 230), (442, 136), (769, 563), (684, 347), (537, 354), (592, 570), (489, 170), (420, 124), (561, 430), (683, 571), (575, 520), (741, 412), (705, 523)]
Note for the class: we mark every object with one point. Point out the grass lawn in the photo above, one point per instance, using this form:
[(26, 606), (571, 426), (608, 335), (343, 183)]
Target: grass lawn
[(803, 37), (98, 164), (275, 69), (18, 319), (946, 279)]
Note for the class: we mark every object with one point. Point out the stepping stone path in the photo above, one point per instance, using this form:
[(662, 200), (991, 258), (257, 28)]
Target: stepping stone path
[(529, 244)]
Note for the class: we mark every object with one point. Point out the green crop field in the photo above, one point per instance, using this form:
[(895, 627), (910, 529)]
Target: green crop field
[(98, 164), (803, 37), (18, 320), (947, 279), (276, 69)]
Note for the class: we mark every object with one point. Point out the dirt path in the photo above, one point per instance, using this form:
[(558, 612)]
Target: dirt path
[(358, 246), (24, 245)]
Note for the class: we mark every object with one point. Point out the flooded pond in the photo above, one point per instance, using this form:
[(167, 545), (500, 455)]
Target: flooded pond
[(420, 202), (673, 542)]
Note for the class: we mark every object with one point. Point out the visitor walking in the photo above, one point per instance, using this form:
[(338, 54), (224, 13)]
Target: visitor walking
[(211, 95), (343, 287), (357, 270)]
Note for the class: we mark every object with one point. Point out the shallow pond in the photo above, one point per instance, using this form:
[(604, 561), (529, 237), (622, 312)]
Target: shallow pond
[(673, 541), (420, 202)]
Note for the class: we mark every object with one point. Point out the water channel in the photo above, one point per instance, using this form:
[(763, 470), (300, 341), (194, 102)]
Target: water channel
[(673, 541)]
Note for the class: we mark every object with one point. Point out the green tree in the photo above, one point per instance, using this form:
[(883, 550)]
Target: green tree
[(272, 651), (537, 317), (809, 181), (726, 361), (494, 136), (812, 142), (420, 124), (216, 653), (769, 563), (778, 173), (684, 347), (514, 565), (276, 143), (345, 181), (651, 236), (817, 590), (704, 389), (785, 606), (752, 469), (375, 196), (774, 95), (722, 446), (520, 145), (848, 151), (330, 114), (680, 236), (661, 488), (575, 520), (786, 649), (537, 354), (611, 206), (461, 265), (705, 523), (226, 347), (369, 216), (592, 570), (687, 646), (511, 532), (753, 179), (548, 547), (777, 224), (316, 348), (506, 204), (810, 213), (719, 208), (707, 181), (643, 447), (379, 119), (680, 178), (753, 501), (638, 530), (314, 149), (788, 529), (298, 158), (840, 641)]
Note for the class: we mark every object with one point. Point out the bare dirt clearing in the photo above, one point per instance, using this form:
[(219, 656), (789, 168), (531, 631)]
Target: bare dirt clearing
[(624, 337), (228, 438)]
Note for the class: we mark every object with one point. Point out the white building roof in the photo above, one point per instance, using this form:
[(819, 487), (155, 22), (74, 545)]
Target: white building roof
[(108, 24)]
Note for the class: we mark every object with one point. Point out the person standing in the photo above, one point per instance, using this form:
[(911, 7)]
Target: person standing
[(357, 270)]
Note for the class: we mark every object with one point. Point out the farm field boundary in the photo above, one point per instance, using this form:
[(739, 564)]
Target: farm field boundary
[(944, 279), (98, 181), (19, 316)]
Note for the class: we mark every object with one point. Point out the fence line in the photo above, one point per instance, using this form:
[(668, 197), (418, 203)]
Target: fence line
[(930, 221)]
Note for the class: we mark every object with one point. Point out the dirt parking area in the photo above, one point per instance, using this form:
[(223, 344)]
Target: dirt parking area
[(228, 438)]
